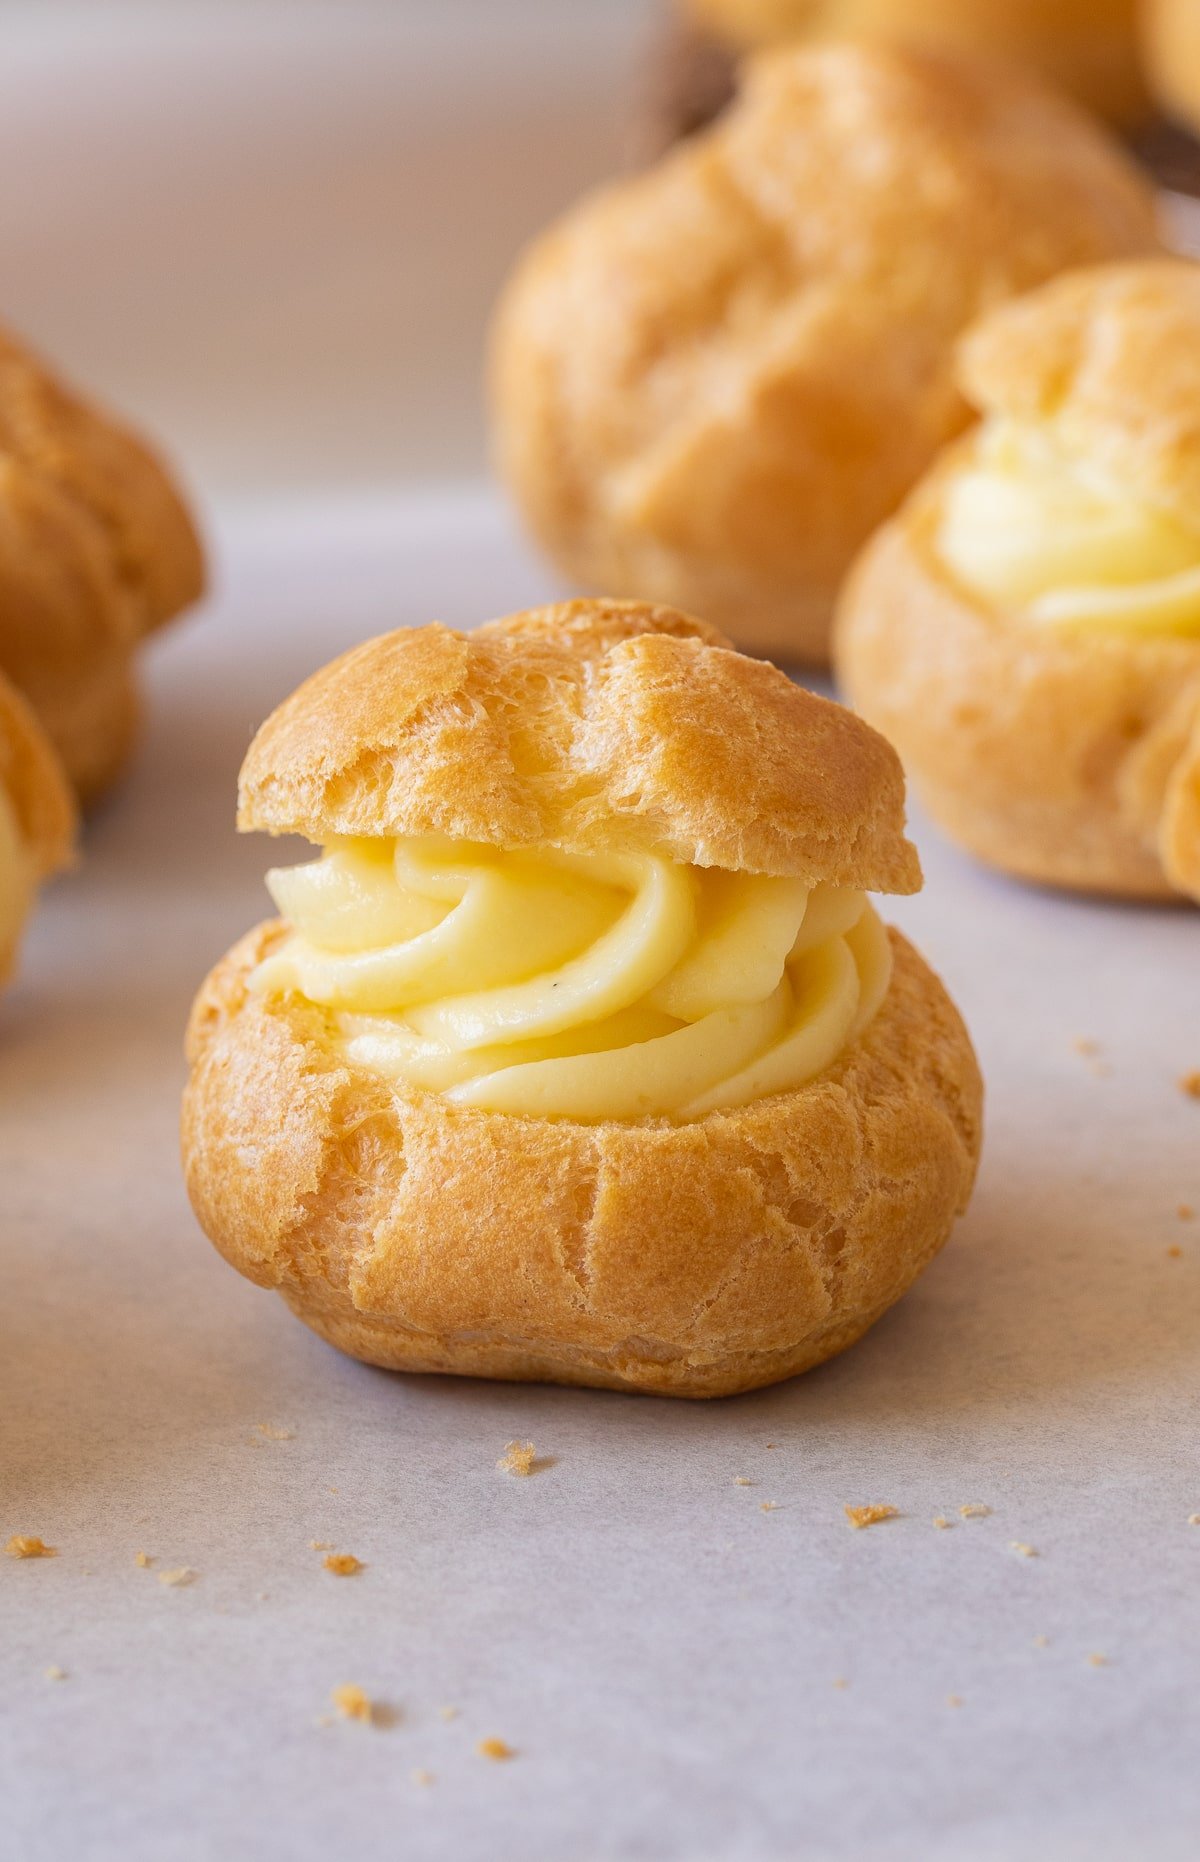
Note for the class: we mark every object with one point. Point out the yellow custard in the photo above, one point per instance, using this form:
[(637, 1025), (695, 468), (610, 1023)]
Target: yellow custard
[(1040, 532), (601, 986), (16, 880)]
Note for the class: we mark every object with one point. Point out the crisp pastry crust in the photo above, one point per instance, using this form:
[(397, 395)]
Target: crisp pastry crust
[(693, 1260), (96, 551), (1069, 759), (1171, 46), (37, 800), (712, 382), (548, 727), (1087, 48)]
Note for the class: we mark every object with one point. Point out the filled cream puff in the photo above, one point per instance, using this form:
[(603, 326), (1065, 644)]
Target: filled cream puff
[(37, 818), (96, 550), (712, 382), (1027, 631), (579, 1053), (1087, 48)]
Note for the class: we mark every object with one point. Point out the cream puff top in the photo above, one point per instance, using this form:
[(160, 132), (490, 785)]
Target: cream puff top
[(1041, 532), (600, 986)]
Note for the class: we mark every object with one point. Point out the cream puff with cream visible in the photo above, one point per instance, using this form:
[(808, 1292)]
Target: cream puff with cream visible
[(578, 1053), (37, 818), (1027, 631)]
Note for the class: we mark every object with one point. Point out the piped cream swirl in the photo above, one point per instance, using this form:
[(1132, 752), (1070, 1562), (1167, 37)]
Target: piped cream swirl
[(1038, 531), (602, 986)]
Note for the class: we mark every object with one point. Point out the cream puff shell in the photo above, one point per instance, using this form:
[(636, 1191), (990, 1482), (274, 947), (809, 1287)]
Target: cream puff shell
[(710, 383), (39, 799), (96, 551)]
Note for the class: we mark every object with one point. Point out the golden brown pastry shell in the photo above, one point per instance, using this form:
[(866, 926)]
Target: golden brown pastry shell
[(713, 381), (693, 1260), (1072, 759), (1171, 47), (37, 789), (97, 550), (1087, 48)]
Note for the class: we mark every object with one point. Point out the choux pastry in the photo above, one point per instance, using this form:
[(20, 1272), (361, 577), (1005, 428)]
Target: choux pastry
[(1171, 44), (713, 381), (1087, 48), (1027, 630), (579, 1054), (96, 550), (37, 818)]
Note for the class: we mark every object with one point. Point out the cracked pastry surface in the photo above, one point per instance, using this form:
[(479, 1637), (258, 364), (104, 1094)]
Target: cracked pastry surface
[(712, 381), (97, 550), (1027, 631), (37, 818), (525, 1082)]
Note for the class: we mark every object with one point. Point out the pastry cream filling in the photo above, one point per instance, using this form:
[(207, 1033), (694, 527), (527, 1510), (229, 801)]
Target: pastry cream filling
[(557, 985), (16, 879), (1038, 530)]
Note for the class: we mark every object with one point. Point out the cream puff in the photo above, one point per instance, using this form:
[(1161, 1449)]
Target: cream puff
[(712, 382), (37, 818), (96, 550), (1087, 48), (579, 1054), (1027, 630)]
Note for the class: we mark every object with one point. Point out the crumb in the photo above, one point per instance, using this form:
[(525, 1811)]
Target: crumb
[(448, 1713), (27, 1545), (142, 1559), (320, 1545), (1026, 1551), (1041, 1642), (942, 1523), (56, 1674), (1083, 1045), (974, 1509), (1175, 1252), (1098, 1661), (860, 1516), (841, 1682), (176, 1579), (331, 1490), (768, 1506), (739, 1480), (264, 1596), (422, 1777), (274, 1434), (1186, 1213), (495, 1749), (954, 1700), (352, 1703), (1194, 1519), (1190, 1084), (518, 1458), (342, 1564), (772, 1444)]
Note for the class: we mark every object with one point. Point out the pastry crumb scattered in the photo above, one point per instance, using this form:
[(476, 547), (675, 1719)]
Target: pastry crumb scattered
[(1098, 1661), (177, 1578), (352, 1702), (841, 1682), (740, 1480), (974, 1509), (518, 1458), (942, 1523), (28, 1545), (448, 1713), (862, 1516), (272, 1433), (1026, 1551), (342, 1564), (496, 1749), (1190, 1084), (422, 1777), (320, 1545), (768, 1506), (142, 1560), (1041, 1642), (55, 1673), (1175, 1252), (1186, 1213), (1085, 1046), (954, 1700)]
